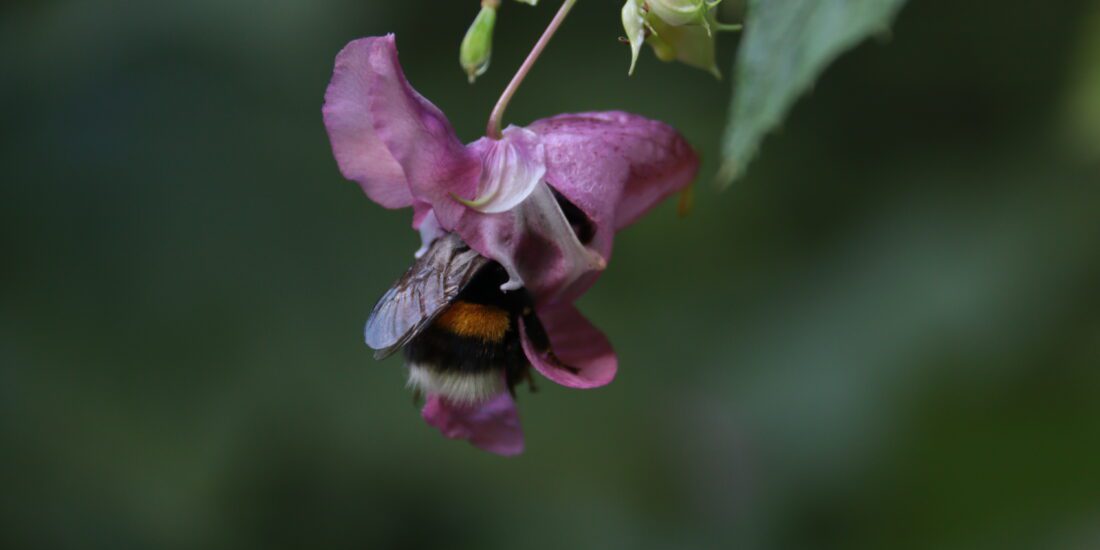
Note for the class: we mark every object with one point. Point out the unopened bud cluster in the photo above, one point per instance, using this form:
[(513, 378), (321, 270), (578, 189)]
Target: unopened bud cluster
[(677, 30)]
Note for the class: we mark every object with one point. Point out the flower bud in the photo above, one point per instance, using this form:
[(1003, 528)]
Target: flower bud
[(677, 30), (691, 45), (477, 45)]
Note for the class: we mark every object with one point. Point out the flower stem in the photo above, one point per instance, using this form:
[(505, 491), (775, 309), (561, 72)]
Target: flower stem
[(493, 128)]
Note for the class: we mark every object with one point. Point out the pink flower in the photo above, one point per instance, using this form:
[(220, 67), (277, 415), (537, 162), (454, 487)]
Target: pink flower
[(504, 198)]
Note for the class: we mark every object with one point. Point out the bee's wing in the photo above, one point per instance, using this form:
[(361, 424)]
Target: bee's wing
[(433, 282)]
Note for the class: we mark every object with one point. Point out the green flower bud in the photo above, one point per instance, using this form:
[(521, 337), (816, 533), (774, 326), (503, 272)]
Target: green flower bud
[(477, 45), (677, 30), (692, 45)]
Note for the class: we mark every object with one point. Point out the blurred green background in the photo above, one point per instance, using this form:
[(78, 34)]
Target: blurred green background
[(887, 335)]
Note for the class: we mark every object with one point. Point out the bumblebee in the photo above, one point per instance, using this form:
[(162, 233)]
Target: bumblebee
[(460, 333), (458, 329)]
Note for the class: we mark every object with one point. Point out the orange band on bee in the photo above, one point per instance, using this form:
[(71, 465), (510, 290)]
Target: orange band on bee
[(480, 321)]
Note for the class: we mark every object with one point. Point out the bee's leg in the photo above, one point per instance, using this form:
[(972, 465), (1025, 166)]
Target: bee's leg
[(555, 361), (524, 377), (530, 381), (418, 398), (537, 335)]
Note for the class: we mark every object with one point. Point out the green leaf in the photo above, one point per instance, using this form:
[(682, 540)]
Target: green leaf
[(787, 44)]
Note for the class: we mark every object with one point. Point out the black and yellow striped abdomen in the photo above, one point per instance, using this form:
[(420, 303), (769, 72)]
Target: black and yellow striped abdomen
[(472, 350), (485, 322)]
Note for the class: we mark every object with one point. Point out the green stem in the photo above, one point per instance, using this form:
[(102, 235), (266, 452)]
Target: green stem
[(493, 128)]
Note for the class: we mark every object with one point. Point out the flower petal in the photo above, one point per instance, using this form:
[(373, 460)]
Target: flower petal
[(491, 426), (418, 136), (535, 244), (577, 343), (511, 168), (362, 157), (613, 165)]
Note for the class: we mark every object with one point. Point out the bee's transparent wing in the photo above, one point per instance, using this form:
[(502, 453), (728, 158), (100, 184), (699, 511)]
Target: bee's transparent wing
[(433, 282)]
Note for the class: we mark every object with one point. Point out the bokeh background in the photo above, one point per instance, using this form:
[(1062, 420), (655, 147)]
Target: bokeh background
[(886, 335)]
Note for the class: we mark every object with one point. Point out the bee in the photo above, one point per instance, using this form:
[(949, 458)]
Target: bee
[(459, 332)]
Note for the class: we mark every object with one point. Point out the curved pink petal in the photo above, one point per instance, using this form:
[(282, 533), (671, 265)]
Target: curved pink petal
[(388, 138), (534, 243), (437, 166), (362, 157), (511, 167), (577, 343), (613, 165), (491, 426), (421, 212)]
